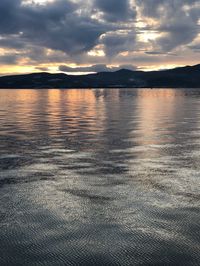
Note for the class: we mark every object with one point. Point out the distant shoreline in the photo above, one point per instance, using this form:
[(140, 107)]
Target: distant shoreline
[(182, 77), (107, 88)]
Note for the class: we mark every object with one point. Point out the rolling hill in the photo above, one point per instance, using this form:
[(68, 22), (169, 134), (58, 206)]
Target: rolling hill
[(186, 77)]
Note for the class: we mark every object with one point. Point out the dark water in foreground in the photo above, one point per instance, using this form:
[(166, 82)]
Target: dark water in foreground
[(100, 177)]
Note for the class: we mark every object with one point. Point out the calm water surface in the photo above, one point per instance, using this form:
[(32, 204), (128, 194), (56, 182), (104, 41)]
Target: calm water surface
[(100, 177)]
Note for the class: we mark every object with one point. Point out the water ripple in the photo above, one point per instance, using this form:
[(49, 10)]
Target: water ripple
[(99, 177)]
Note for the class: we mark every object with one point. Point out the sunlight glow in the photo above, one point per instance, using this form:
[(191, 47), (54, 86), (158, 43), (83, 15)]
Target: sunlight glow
[(96, 53), (36, 2), (147, 36)]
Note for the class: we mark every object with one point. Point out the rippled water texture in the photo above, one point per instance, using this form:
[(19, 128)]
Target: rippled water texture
[(100, 177)]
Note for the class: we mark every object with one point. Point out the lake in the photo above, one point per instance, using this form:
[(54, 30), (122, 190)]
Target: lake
[(100, 177)]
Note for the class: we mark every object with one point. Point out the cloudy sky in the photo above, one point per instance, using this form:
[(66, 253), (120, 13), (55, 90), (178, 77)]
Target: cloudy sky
[(81, 36)]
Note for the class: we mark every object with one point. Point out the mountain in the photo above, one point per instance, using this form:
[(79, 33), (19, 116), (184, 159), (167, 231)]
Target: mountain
[(185, 77)]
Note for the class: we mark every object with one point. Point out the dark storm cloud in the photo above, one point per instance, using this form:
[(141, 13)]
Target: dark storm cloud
[(12, 42), (117, 42), (70, 29), (8, 59), (43, 24), (56, 25), (178, 32), (116, 10), (158, 8), (195, 47), (16, 16), (95, 68), (62, 25), (178, 20)]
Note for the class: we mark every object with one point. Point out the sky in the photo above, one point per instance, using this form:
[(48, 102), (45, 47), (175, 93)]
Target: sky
[(86, 36)]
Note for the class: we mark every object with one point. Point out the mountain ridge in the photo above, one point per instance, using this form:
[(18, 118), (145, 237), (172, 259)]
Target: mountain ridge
[(187, 76)]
